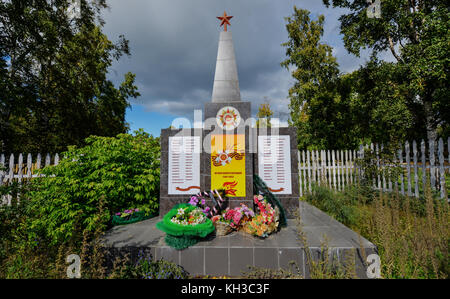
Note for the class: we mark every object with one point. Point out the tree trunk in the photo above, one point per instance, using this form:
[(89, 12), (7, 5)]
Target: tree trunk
[(429, 119)]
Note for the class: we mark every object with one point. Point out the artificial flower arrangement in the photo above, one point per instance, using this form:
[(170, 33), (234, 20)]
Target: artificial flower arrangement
[(222, 225), (243, 218), (186, 216), (217, 197), (200, 202), (220, 219), (238, 216), (232, 219), (185, 225), (264, 223), (130, 216)]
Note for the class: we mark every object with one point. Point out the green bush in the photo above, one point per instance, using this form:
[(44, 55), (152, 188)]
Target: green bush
[(370, 165), (10, 218), (121, 171), (265, 273), (160, 269), (148, 268), (411, 234), (339, 205)]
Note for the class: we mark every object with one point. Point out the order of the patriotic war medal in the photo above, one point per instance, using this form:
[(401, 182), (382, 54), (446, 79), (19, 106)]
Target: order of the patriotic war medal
[(228, 118)]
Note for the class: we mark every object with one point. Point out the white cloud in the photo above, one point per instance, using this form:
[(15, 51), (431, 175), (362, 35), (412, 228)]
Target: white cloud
[(174, 47)]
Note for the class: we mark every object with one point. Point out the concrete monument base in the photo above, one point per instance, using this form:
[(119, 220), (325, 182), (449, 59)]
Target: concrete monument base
[(233, 254)]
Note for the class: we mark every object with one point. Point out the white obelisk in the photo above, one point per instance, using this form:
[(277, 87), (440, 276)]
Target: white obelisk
[(226, 83)]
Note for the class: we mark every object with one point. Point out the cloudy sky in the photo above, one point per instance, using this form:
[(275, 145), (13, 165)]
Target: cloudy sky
[(174, 50)]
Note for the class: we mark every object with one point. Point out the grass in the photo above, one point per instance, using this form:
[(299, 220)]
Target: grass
[(412, 235), (45, 261), (421, 187)]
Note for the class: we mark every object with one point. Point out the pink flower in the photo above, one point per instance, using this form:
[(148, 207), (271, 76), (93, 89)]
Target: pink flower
[(237, 218), (206, 210)]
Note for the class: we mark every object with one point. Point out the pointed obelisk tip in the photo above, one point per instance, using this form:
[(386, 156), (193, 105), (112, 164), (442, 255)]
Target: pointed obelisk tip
[(225, 21), (226, 82)]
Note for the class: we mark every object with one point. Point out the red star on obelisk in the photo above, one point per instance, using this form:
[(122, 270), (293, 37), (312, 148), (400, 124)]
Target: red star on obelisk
[(225, 20)]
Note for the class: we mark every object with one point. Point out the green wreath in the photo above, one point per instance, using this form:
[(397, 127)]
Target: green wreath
[(182, 236), (135, 217)]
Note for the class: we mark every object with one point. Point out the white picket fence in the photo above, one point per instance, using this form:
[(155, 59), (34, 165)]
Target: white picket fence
[(20, 170), (334, 168), (337, 169)]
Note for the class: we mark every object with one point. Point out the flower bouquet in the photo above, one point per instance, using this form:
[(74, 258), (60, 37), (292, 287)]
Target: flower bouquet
[(185, 225), (264, 223), (130, 216), (217, 197), (187, 217), (238, 216), (200, 202)]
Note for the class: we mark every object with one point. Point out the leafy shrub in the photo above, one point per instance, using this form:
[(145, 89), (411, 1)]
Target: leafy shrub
[(263, 273), (122, 171), (338, 205), (160, 269), (147, 268), (10, 218), (370, 165)]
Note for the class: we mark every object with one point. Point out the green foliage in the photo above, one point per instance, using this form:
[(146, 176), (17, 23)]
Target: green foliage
[(147, 268), (11, 217), (20, 257), (161, 269), (338, 205), (114, 172), (411, 234), (54, 90), (263, 273), (416, 33), (316, 108), (135, 217), (264, 116), (370, 166), (382, 102), (411, 242), (14, 189)]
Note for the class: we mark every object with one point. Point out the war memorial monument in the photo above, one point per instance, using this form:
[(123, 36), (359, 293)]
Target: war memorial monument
[(226, 153)]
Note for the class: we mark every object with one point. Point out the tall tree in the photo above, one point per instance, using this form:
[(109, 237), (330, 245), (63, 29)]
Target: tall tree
[(319, 106), (264, 116), (381, 106), (53, 67), (416, 33)]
